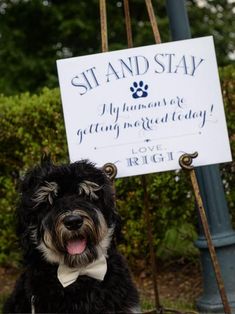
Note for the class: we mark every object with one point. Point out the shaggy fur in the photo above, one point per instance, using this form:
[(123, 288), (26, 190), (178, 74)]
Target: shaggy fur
[(62, 205)]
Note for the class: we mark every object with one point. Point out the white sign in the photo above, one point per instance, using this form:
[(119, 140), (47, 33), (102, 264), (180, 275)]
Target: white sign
[(142, 108)]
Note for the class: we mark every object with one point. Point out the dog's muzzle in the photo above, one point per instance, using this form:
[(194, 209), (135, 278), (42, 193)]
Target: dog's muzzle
[(76, 245), (76, 237)]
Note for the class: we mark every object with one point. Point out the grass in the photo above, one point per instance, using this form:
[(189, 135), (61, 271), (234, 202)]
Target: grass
[(179, 305)]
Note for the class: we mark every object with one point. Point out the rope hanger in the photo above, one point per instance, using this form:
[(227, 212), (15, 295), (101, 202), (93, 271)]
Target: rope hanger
[(104, 29)]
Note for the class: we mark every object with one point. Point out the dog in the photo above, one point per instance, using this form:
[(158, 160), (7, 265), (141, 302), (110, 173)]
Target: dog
[(68, 226)]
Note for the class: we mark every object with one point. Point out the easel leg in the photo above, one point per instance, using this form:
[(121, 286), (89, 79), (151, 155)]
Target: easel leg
[(149, 226), (185, 162)]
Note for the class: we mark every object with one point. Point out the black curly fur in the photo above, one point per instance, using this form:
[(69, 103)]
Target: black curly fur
[(115, 294)]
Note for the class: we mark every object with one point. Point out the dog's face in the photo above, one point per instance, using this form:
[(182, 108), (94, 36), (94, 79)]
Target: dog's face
[(67, 213)]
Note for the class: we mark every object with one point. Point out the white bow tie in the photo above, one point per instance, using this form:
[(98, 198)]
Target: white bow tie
[(97, 269)]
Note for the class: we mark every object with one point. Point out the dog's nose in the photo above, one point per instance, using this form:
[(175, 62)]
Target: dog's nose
[(73, 222)]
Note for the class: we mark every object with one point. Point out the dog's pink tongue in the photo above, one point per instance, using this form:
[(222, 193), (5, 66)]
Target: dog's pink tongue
[(76, 246)]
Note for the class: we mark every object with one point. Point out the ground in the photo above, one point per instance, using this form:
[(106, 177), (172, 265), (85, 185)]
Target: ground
[(179, 284)]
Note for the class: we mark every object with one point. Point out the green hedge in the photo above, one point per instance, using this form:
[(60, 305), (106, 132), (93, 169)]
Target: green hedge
[(33, 124), (30, 126)]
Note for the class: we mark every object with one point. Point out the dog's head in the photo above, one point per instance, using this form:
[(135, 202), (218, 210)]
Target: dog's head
[(67, 213)]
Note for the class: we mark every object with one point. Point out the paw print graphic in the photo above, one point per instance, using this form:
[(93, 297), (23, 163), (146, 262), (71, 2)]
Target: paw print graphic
[(139, 90)]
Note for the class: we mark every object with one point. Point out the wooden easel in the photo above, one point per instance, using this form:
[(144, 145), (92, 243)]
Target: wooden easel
[(185, 162)]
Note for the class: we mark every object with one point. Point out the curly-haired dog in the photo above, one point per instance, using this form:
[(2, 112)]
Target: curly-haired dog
[(67, 224)]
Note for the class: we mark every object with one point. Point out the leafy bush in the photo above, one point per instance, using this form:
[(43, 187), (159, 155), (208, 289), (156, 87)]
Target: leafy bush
[(171, 206), (33, 124), (30, 126)]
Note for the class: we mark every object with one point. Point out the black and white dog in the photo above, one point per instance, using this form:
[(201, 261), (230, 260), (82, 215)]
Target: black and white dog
[(67, 226)]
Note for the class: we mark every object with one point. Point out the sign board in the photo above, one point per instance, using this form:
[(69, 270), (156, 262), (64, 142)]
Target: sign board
[(142, 108)]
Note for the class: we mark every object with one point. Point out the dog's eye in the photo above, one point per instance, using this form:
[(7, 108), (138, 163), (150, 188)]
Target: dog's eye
[(46, 193), (89, 188)]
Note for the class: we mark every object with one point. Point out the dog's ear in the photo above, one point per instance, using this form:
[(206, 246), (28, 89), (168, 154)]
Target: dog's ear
[(34, 176), (27, 214), (118, 227), (109, 199)]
